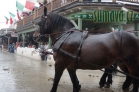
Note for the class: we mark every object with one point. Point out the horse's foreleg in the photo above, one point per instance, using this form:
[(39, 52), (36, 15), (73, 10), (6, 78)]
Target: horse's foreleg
[(75, 81), (58, 73)]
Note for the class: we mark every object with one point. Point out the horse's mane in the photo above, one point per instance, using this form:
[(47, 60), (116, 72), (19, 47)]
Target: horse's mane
[(59, 21)]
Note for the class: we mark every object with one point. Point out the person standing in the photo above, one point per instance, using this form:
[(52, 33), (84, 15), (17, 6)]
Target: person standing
[(11, 48), (42, 51), (40, 5), (107, 75), (45, 50)]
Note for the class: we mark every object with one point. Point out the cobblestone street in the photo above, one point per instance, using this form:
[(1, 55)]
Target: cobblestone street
[(22, 74)]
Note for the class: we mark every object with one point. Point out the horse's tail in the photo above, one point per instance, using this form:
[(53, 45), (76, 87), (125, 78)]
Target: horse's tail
[(114, 70)]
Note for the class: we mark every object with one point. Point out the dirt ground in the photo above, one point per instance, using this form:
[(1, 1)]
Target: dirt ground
[(23, 74)]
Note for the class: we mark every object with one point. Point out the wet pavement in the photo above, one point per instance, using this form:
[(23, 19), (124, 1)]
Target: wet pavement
[(23, 74)]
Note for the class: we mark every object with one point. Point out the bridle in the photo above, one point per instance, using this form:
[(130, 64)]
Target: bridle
[(42, 35), (43, 23)]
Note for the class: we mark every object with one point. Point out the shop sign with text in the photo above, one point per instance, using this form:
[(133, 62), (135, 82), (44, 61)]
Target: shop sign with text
[(83, 16), (102, 16), (109, 16)]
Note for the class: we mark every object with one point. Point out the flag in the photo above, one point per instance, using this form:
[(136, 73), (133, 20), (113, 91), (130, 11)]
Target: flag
[(6, 19), (18, 15), (11, 18), (30, 4), (19, 6), (25, 5)]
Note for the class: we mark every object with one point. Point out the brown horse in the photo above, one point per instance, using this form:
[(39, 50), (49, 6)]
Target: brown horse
[(76, 50)]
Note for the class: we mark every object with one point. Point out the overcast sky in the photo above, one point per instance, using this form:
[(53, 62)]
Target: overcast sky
[(5, 6)]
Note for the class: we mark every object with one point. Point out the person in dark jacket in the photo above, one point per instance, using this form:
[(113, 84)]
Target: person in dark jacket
[(107, 75), (11, 48)]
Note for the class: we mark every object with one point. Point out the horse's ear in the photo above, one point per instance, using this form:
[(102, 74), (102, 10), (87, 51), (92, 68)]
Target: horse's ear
[(45, 11)]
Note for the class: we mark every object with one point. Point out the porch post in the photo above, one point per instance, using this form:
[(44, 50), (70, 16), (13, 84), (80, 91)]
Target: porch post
[(120, 27), (137, 28), (79, 23), (50, 43), (73, 22), (18, 37), (23, 43)]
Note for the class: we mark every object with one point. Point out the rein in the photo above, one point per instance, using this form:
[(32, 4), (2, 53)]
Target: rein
[(47, 35)]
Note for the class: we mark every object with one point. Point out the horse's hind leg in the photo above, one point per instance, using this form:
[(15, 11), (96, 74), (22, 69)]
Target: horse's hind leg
[(128, 80), (127, 83), (75, 81), (134, 72), (58, 73)]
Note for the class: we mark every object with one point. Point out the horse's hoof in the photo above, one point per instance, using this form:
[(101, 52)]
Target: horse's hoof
[(126, 90), (107, 86), (101, 86), (79, 87), (75, 90)]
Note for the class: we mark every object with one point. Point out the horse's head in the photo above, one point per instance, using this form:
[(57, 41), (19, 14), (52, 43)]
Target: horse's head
[(44, 23), (42, 27), (52, 24)]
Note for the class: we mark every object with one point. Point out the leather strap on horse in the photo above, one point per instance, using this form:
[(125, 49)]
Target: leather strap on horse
[(120, 46), (84, 35), (55, 48), (58, 45)]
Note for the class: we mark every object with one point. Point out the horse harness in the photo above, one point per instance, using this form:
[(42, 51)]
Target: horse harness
[(57, 48), (77, 58), (120, 47)]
